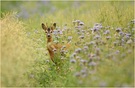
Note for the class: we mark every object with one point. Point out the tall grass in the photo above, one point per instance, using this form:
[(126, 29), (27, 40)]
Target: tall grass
[(16, 52)]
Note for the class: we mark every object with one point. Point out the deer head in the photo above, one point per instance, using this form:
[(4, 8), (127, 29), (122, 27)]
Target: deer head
[(48, 30)]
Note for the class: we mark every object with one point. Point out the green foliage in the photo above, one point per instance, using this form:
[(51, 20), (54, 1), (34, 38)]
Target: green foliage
[(106, 56)]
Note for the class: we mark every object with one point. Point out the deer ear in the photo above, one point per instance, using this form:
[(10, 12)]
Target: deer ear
[(54, 25), (44, 26)]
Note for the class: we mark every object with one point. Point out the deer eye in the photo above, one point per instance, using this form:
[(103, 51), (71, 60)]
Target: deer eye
[(46, 32)]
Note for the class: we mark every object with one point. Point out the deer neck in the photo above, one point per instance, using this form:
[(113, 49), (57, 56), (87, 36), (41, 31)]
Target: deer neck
[(49, 40)]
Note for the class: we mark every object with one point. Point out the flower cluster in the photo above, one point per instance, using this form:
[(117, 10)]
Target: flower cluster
[(91, 49)]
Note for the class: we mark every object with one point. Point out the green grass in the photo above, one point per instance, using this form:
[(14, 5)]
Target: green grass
[(109, 62)]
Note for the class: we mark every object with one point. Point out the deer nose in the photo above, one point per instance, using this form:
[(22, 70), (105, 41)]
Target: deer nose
[(48, 35)]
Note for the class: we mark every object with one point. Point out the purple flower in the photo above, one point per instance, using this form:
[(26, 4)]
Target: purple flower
[(78, 50), (83, 71), (81, 23), (77, 74), (118, 30), (92, 63), (47, 61), (107, 32), (72, 60), (117, 52), (81, 37), (108, 37), (123, 55), (127, 37), (83, 31), (74, 54), (83, 61), (128, 34), (62, 52), (78, 57), (121, 33), (94, 29), (54, 50), (78, 27), (97, 51), (61, 32), (92, 43), (69, 38), (65, 27), (133, 21), (115, 43), (55, 32), (122, 42), (98, 25), (78, 21), (63, 47), (85, 47), (90, 57), (97, 37)]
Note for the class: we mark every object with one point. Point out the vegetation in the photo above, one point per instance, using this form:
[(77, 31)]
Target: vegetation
[(101, 35)]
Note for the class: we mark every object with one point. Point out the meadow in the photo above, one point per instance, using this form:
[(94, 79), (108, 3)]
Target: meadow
[(101, 36)]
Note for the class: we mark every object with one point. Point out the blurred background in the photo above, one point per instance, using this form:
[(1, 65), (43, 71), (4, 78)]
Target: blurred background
[(25, 60), (72, 9), (27, 9)]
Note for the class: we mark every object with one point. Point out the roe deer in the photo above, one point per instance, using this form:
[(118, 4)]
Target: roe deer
[(51, 46)]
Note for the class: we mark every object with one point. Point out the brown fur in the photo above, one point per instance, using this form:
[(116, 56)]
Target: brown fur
[(51, 46)]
